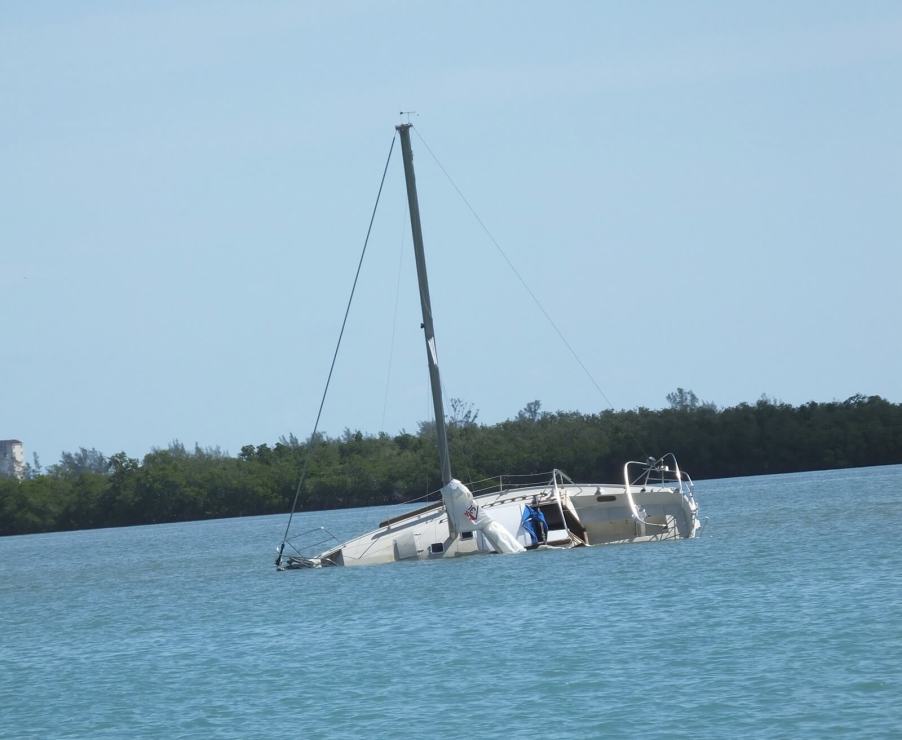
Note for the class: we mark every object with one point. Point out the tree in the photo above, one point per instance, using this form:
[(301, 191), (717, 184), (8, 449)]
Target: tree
[(683, 400), (83, 461), (463, 414), (530, 412), (87, 489)]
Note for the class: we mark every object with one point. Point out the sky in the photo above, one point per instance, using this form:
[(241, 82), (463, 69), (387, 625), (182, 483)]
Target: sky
[(701, 194)]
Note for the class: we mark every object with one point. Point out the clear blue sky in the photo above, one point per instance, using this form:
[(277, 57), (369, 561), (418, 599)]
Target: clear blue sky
[(706, 195)]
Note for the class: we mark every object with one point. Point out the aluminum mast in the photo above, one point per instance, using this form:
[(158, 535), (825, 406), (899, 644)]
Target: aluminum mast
[(417, 231)]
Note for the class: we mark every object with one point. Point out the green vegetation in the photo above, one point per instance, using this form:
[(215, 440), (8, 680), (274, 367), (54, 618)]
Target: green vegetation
[(87, 489)]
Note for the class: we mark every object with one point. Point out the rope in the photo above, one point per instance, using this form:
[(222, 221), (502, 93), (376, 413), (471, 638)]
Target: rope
[(344, 322), (516, 272)]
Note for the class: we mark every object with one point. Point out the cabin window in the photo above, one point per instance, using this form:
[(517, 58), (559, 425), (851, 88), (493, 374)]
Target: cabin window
[(553, 516), (437, 547), (466, 535), (603, 499)]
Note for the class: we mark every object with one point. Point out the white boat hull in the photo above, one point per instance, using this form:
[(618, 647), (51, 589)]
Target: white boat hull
[(576, 515)]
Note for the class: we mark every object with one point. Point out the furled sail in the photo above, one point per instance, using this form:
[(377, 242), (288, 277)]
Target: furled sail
[(465, 515)]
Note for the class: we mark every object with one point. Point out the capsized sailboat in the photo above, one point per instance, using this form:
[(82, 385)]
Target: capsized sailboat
[(654, 502)]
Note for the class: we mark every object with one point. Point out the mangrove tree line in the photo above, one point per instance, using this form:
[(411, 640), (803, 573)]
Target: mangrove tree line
[(86, 489)]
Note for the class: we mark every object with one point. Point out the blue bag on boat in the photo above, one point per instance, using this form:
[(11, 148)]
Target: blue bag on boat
[(533, 521)]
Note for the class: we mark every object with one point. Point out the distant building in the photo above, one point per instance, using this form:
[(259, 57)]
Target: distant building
[(12, 459)]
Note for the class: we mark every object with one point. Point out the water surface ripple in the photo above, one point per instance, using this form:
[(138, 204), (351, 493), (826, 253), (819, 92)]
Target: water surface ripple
[(783, 620)]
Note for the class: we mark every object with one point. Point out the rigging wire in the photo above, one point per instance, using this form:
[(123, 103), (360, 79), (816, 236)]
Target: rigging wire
[(515, 271), (394, 326), (344, 322)]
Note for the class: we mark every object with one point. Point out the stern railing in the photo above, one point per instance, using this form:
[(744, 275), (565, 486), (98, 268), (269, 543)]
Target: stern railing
[(662, 472)]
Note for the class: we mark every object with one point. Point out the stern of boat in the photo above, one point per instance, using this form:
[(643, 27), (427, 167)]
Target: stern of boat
[(655, 502)]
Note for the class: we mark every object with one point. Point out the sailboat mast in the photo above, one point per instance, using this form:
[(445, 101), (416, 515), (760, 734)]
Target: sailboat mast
[(425, 304)]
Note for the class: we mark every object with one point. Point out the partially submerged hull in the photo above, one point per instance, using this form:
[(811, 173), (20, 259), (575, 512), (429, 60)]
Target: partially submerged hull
[(569, 515)]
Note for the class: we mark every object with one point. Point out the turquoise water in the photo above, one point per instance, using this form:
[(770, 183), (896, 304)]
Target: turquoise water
[(783, 620)]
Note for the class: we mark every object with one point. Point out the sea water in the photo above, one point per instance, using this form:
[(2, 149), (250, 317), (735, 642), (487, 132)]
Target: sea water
[(783, 620)]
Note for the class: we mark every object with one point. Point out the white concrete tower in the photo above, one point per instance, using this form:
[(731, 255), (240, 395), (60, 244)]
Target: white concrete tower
[(12, 459)]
